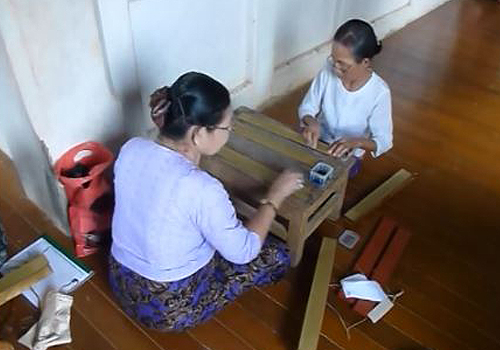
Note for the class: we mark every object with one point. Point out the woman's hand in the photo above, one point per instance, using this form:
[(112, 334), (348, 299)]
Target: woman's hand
[(311, 131), (285, 184), (344, 146)]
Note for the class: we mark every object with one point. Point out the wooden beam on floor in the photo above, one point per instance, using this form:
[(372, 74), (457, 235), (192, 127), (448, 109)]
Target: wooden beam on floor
[(373, 251), (395, 183), (6, 346), (23, 277), (385, 268), (315, 310)]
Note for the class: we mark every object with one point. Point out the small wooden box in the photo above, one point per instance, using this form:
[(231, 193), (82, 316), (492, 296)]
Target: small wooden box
[(258, 150)]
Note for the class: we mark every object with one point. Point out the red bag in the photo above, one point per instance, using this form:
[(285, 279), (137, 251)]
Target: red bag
[(81, 170)]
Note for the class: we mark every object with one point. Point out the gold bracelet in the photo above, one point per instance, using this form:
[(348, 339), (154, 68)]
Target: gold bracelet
[(306, 123), (266, 201)]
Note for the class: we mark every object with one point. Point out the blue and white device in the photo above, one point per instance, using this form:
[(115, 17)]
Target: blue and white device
[(320, 174)]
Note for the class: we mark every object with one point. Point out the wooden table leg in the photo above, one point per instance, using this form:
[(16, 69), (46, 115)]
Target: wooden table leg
[(337, 210), (296, 238)]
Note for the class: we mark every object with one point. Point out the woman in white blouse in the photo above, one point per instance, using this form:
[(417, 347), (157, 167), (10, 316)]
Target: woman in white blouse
[(348, 105)]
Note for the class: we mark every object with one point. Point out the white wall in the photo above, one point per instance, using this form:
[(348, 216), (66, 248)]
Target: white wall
[(20, 142), (84, 69), (81, 66), (386, 16), (56, 55)]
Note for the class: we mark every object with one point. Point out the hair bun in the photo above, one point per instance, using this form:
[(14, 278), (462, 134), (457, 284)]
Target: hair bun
[(159, 102), (158, 95), (378, 48)]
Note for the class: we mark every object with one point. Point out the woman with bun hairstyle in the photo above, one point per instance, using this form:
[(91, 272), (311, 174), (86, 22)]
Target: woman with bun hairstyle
[(179, 252), (348, 105)]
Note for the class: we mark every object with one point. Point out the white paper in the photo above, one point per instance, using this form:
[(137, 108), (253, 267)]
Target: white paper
[(380, 310), (358, 286), (354, 278), (66, 275)]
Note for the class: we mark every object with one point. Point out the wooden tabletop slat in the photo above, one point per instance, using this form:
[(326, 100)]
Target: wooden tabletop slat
[(264, 122)]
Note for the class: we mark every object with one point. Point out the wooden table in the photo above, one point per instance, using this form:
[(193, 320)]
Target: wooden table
[(258, 150)]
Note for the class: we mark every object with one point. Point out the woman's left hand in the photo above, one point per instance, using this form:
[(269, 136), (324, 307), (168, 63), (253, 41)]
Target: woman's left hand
[(344, 146)]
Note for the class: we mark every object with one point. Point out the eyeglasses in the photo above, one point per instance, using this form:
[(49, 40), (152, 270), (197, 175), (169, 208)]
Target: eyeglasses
[(229, 128), (342, 66)]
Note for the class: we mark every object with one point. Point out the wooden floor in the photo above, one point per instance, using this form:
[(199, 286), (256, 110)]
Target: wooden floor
[(444, 71)]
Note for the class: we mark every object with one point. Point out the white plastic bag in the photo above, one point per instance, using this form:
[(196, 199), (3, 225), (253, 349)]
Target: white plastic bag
[(53, 327)]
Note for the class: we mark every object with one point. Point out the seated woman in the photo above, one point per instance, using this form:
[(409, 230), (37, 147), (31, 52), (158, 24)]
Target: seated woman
[(179, 253), (349, 105)]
